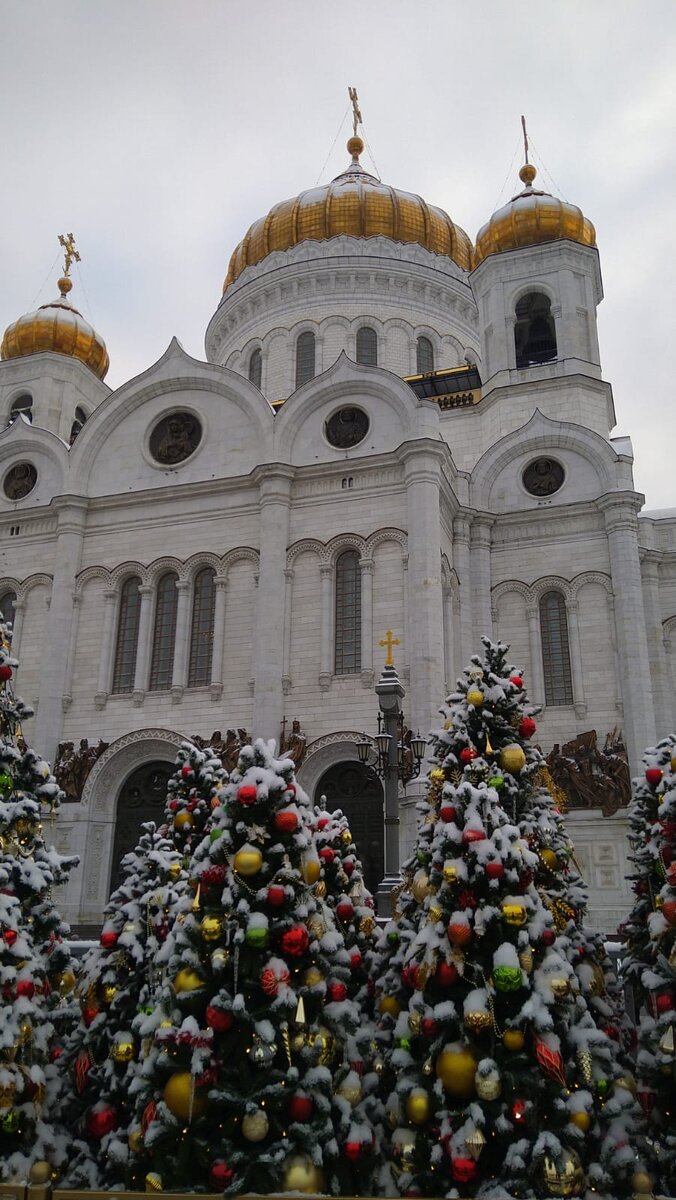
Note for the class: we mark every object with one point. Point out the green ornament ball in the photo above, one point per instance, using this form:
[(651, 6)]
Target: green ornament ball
[(257, 937), (507, 979), (10, 1121), (6, 782), (421, 856), (497, 782), (602, 1087), (215, 834), (393, 937), (403, 1043)]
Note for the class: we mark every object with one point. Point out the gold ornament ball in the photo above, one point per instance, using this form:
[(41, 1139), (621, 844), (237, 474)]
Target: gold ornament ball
[(320, 889), (301, 1175), (187, 980), (434, 913), (65, 982), (673, 762), (255, 1125), (421, 885), (597, 983), (560, 987), (627, 1082), (514, 913), (122, 1052), (174, 871), (135, 1140), (153, 1182), (456, 1068), (526, 960), (40, 1172), (566, 1179), (581, 1120), (477, 1021), (181, 1097), (642, 1182), (418, 1106), (183, 821), (346, 837), (312, 977), (450, 873), (414, 1021), (488, 1087), (549, 857), (109, 993), (350, 1092), (316, 926), (248, 861), (323, 1045), (367, 925), (211, 928), (311, 870), (25, 1032), (390, 1006), (513, 1039), (475, 696), (512, 759), (403, 1147)]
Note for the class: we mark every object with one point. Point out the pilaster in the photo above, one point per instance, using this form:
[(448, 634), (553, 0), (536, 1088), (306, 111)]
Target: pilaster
[(268, 651)]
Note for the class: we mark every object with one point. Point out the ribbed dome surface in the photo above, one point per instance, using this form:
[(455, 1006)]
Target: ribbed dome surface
[(59, 328), (530, 218)]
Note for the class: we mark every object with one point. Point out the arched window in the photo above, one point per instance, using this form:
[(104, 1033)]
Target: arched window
[(348, 613), (21, 405), (7, 607), (127, 636), (202, 632), (424, 356), (256, 367), (367, 346), (534, 331), (164, 635), (305, 358), (555, 652), (78, 421)]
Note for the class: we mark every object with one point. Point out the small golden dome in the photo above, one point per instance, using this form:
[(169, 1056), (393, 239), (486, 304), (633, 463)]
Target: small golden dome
[(530, 218), (354, 204), (59, 328)]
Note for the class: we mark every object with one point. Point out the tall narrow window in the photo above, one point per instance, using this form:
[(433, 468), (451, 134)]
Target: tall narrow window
[(202, 632), (367, 346), (348, 614), (555, 651), (164, 635), (534, 330), (305, 358), (256, 367), (127, 636), (21, 405), (78, 421), (7, 607), (424, 356)]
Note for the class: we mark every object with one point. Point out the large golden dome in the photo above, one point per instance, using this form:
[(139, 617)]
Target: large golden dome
[(59, 328), (354, 204), (530, 218)]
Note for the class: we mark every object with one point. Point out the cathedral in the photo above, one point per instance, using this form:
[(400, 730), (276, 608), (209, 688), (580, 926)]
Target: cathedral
[(395, 428)]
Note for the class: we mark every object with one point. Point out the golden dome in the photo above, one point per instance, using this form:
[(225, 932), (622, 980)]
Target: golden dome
[(354, 204), (59, 328), (530, 218)]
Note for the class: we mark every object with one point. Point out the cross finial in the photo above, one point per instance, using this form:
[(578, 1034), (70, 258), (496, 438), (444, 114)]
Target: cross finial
[(68, 242), (525, 138), (356, 111), (389, 642)]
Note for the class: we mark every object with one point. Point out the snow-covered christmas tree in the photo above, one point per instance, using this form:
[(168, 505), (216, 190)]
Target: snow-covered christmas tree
[(502, 1081), (36, 970), (249, 1084), (650, 955)]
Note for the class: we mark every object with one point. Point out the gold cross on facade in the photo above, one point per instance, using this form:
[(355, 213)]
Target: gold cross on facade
[(389, 641), (68, 242), (356, 112)]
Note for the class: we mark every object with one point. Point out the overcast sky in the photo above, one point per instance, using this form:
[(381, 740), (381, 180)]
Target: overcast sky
[(158, 130)]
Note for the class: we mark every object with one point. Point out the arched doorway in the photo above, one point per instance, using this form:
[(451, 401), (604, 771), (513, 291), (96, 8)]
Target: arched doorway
[(356, 790), (142, 799)]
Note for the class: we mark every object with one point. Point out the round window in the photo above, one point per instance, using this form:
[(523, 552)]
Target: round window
[(543, 477), (20, 480), (347, 427), (175, 438)]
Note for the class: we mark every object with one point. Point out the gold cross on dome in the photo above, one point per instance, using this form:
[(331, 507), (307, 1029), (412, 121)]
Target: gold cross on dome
[(525, 139), (389, 642), (356, 112), (68, 242)]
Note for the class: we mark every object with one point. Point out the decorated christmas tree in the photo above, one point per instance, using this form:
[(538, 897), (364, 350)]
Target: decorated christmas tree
[(249, 1084), (502, 1081), (650, 955), (36, 968)]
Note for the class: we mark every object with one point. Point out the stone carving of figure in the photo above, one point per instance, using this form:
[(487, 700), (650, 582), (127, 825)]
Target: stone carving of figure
[(295, 745), (177, 443), (65, 770)]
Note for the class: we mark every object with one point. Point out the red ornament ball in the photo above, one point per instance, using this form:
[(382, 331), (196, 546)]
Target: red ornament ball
[(271, 980), (295, 941), (653, 775), (463, 1169), (276, 895), (323, 822), (247, 793), (300, 1108), (9, 936), (172, 805), (345, 910), (5, 672), (221, 1176), (518, 1111), (664, 1002), (25, 987), (448, 813), (186, 771), (669, 911), (218, 1019), (548, 937), (55, 1053), (495, 870), (468, 754), (355, 960), (213, 876), (446, 974), (430, 1027), (348, 866), (353, 1150), (473, 835), (516, 680), (101, 1121), (108, 939), (527, 727), (336, 991), (89, 1014), (327, 854), (286, 821), (409, 977)]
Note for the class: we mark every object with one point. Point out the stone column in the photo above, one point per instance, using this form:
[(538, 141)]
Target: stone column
[(406, 619), (422, 475), (617, 699), (218, 644), (650, 574), (480, 576), (144, 643), (67, 698), (326, 575), (620, 513), (461, 527), (288, 599), (110, 603), (572, 610), (17, 626), (71, 516), (671, 676), (449, 667), (366, 567), (268, 649), (537, 683), (179, 678)]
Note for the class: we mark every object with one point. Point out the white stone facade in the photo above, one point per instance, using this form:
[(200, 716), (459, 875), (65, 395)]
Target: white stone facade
[(451, 545)]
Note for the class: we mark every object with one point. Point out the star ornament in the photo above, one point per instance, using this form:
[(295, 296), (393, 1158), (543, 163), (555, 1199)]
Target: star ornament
[(258, 833)]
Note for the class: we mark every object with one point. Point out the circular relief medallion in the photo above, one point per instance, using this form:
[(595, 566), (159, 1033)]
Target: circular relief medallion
[(175, 438), (347, 427), (20, 480), (543, 477)]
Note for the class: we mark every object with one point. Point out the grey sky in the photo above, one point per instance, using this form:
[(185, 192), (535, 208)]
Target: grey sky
[(158, 130)]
